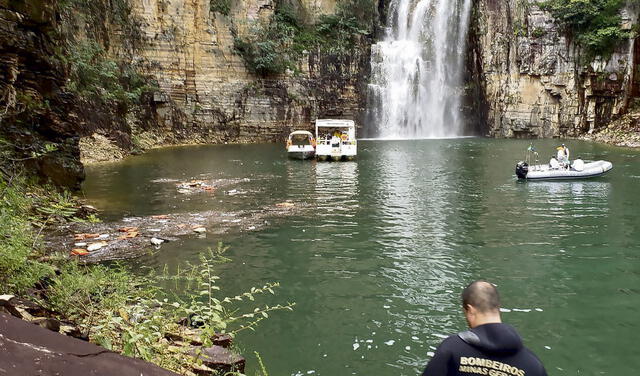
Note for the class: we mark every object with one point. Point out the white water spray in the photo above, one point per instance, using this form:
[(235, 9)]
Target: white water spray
[(417, 70)]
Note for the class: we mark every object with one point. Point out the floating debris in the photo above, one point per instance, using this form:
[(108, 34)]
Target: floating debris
[(156, 241), (128, 235), (199, 229), (194, 186), (165, 180), (161, 216), (85, 236), (95, 246)]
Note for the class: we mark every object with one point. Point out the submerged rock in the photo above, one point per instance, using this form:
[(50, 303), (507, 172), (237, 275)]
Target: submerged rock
[(220, 360)]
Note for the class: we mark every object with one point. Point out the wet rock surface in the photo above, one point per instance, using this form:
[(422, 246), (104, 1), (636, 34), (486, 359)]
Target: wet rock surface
[(36, 314), (220, 359), (27, 349), (29, 330)]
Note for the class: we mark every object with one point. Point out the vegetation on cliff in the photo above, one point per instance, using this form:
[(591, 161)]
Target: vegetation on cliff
[(68, 69), (278, 45), (99, 71), (98, 78), (595, 24)]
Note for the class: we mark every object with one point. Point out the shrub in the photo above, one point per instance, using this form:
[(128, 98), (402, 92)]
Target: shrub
[(95, 76), (220, 6), (19, 269), (275, 47), (595, 24)]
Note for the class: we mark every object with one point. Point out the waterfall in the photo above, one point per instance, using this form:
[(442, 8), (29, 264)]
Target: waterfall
[(417, 70)]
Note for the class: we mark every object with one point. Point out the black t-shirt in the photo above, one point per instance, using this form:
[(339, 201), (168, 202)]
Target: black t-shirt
[(490, 349)]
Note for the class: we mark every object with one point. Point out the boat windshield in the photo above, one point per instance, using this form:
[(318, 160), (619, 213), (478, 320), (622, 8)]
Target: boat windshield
[(300, 139)]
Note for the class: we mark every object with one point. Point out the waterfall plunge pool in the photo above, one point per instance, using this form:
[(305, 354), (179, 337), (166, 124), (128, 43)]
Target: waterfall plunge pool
[(377, 262)]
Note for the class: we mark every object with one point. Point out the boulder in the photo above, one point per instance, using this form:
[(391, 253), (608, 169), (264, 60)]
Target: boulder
[(221, 360)]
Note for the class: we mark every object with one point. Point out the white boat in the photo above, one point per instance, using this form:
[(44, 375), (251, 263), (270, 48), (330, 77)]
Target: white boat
[(301, 145), (336, 139), (579, 169)]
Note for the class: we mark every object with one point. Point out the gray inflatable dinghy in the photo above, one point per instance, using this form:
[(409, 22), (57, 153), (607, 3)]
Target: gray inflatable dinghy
[(579, 169)]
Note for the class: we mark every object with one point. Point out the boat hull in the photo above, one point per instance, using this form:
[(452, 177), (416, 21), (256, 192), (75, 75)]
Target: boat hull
[(544, 172), (301, 155)]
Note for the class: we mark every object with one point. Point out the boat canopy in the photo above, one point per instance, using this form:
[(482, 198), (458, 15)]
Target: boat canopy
[(335, 123), (350, 125), (300, 133)]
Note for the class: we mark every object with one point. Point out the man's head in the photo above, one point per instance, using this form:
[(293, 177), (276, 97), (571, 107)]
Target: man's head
[(481, 303)]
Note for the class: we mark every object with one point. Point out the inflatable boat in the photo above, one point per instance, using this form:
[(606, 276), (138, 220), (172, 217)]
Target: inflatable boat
[(579, 169)]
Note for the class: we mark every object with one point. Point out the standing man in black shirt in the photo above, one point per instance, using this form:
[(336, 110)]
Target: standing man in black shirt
[(489, 347)]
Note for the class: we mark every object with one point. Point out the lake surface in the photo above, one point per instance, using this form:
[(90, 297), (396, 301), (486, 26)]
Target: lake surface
[(377, 262)]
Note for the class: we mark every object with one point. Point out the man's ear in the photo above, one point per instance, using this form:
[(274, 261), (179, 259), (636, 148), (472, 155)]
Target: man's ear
[(469, 308)]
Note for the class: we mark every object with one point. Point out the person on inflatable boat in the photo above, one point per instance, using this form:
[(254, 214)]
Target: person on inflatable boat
[(563, 156)]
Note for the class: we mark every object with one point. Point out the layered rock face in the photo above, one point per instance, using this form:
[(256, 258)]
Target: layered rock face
[(36, 115), (208, 95), (536, 82)]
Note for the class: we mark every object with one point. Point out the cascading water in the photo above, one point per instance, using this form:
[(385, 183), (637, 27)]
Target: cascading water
[(417, 70)]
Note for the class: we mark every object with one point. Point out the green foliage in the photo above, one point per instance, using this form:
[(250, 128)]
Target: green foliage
[(129, 314), (117, 309), (19, 268), (263, 368), (97, 77), (594, 23), (538, 32), (220, 6), (277, 46), (105, 78), (93, 18)]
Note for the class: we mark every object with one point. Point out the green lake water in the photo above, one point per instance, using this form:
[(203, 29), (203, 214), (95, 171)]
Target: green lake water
[(377, 260)]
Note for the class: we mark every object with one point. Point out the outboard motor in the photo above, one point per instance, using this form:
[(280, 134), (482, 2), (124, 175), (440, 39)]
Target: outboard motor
[(522, 169)]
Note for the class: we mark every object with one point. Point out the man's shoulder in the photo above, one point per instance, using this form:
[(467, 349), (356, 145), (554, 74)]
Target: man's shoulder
[(451, 342), (533, 358)]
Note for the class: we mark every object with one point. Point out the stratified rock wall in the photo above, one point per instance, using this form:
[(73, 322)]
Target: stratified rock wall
[(207, 93), (536, 81), (35, 112)]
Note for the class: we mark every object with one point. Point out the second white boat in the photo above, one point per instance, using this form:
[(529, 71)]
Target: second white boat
[(301, 145)]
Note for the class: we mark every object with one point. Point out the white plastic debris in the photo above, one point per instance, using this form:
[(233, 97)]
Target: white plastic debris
[(156, 241), (95, 246)]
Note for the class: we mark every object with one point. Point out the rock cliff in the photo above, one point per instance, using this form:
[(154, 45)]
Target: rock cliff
[(207, 94), (536, 81), (36, 115)]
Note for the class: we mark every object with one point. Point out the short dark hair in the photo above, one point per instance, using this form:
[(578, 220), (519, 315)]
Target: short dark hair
[(482, 295)]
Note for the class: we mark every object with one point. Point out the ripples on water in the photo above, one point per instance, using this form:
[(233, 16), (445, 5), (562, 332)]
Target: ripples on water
[(377, 263)]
